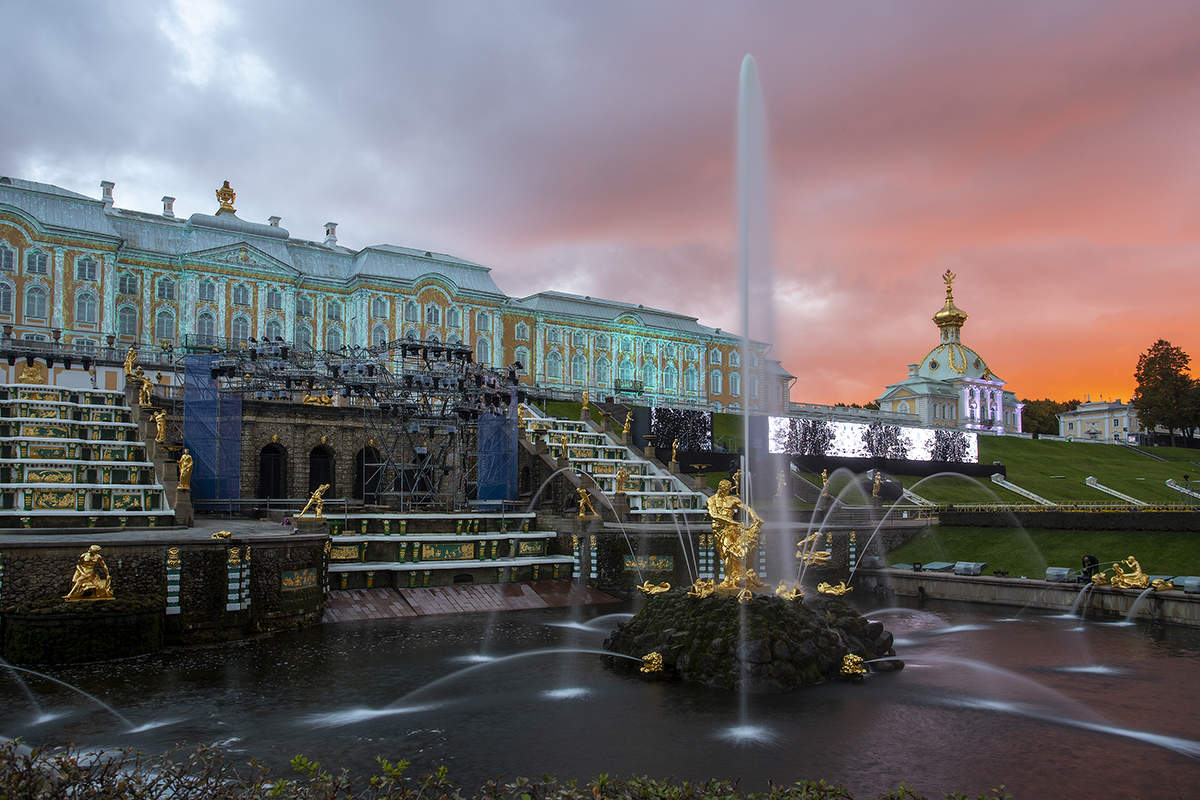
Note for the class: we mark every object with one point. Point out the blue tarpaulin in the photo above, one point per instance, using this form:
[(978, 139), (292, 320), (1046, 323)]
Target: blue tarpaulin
[(212, 432)]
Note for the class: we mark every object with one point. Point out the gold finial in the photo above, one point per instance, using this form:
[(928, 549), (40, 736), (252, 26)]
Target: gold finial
[(226, 196), (949, 277)]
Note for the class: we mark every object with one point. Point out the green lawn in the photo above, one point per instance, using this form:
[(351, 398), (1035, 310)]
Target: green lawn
[(959, 489), (566, 409), (1029, 552)]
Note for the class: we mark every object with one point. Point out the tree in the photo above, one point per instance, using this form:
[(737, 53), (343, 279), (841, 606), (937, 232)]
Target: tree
[(1163, 388), (1041, 416)]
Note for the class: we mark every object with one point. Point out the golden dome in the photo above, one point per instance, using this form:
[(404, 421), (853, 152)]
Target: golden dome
[(950, 316)]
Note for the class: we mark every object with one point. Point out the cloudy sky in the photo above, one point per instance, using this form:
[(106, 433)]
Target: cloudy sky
[(1049, 153)]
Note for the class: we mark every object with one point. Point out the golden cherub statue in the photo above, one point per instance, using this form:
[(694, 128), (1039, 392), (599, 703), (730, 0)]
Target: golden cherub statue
[(159, 418), (1134, 579), (622, 479), (130, 360), (733, 539), (186, 463), (736, 480), (226, 197), (316, 503), (586, 509), (811, 558), (628, 424), (91, 580)]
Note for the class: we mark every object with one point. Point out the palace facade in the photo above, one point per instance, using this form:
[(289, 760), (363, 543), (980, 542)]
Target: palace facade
[(82, 272), (952, 386)]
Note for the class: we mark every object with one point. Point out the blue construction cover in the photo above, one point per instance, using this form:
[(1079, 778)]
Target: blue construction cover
[(212, 432), (497, 457)]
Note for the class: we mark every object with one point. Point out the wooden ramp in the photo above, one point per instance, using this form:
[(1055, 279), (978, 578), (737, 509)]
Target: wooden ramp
[(355, 604)]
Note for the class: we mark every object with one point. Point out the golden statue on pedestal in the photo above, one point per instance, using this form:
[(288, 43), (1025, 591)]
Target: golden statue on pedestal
[(586, 509), (316, 503), (675, 452), (1134, 579), (185, 471), (159, 418), (622, 479), (878, 482), (628, 424), (92, 580), (584, 400), (130, 361), (733, 539)]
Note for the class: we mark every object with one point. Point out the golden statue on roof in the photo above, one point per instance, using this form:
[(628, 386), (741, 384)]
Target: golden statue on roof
[(225, 196)]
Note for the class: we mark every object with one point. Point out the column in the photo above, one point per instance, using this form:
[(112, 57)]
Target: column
[(56, 289), (108, 300)]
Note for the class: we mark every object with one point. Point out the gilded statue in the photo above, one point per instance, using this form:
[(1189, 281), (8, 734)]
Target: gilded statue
[(675, 451), (702, 588), (736, 480), (316, 503), (92, 580), (878, 482), (834, 589), (789, 592), (628, 424), (130, 361), (226, 197), (317, 400), (31, 374), (159, 418), (221, 535), (654, 588), (853, 667), (651, 663), (733, 539), (584, 400), (810, 558), (186, 462), (586, 509), (622, 479), (1134, 579)]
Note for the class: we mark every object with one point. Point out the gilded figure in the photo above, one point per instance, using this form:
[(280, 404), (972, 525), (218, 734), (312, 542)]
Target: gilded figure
[(853, 667), (317, 400), (808, 555), (834, 590), (675, 452), (1134, 579), (159, 418), (186, 462), (586, 509), (733, 539), (789, 592), (654, 588), (316, 503), (91, 580), (130, 361), (221, 535), (878, 482), (31, 374), (702, 588), (584, 400), (628, 424), (652, 662), (622, 479)]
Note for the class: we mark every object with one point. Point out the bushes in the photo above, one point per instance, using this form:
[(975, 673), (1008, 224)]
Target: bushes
[(202, 774)]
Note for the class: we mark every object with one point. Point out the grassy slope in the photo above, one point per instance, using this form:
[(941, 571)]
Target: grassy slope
[(1029, 552)]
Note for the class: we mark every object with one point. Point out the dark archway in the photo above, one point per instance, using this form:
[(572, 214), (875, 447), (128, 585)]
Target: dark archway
[(321, 469), (366, 475), (272, 471)]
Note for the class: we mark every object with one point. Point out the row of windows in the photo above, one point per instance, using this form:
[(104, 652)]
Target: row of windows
[(626, 371), (37, 262)]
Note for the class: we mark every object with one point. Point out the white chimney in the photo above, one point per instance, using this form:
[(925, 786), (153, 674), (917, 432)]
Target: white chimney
[(168, 206), (330, 233), (274, 221), (912, 370), (106, 194)]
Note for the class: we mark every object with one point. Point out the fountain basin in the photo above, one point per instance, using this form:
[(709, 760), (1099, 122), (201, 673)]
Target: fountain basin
[(58, 632), (768, 645)]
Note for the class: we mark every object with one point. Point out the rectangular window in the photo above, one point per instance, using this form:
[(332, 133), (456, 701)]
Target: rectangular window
[(85, 269), (35, 263)]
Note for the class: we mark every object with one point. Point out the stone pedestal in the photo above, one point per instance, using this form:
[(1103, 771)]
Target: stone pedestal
[(620, 506), (184, 514), (311, 525)]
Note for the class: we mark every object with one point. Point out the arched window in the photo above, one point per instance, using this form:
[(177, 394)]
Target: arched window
[(714, 381), (433, 337), (240, 330), (903, 407), (554, 366), (735, 359), (127, 321), (410, 312), (333, 339), (579, 368), (483, 351), (304, 306), (522, 358), (6, 298), (333, 310), (410, 335), (304, 337), (433, 315), (379, 307), (521, 332), (85, 308), (649, 375), (85, 269), (274, 330), (578, 339), (35, 302), (714, 356), (35, 262), (603, 371), (206, 327), (735, 382), (8, 258), (207, 291), (670, 376), (379, 336), (454, 338), (625, 371), (164, 326), (691, 380), (453, 317), (484, 321), (166, 289), (274, 299)]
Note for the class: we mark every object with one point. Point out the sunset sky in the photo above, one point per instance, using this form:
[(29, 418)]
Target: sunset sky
[(1047, 152)]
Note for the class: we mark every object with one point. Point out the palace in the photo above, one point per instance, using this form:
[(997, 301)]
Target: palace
[(952, 386), (87, 275)]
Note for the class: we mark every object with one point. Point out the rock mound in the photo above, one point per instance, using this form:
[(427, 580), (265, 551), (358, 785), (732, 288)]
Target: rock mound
[(787, 644)]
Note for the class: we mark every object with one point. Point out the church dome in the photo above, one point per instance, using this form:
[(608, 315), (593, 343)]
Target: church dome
[(951, 360)]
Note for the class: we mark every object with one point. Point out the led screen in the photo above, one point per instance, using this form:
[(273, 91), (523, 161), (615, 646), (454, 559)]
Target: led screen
[(877, 440)]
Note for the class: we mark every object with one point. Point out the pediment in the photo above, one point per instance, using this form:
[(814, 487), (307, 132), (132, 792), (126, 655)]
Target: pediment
[(242, 256)]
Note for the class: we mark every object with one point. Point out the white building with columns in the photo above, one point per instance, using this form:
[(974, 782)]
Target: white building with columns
[(952, 386)]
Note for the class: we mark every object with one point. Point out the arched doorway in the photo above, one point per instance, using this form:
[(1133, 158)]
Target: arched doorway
[(272, 471), (321, 469), (366, 475)]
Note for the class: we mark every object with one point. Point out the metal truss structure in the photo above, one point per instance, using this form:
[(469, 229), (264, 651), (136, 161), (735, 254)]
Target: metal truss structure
[(421, 402)]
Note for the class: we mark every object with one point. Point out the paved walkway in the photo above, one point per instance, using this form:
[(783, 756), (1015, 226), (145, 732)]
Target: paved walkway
[(354, 604)]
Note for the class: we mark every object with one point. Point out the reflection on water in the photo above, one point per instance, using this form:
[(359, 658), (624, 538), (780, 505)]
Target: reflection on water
[(980, 704)]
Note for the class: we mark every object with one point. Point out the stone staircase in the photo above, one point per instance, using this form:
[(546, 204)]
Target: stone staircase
[(650, 491), (73, 458)]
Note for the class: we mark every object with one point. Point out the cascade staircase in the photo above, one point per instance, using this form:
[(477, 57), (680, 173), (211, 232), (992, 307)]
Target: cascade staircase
[(651, 491), (73, 458)]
